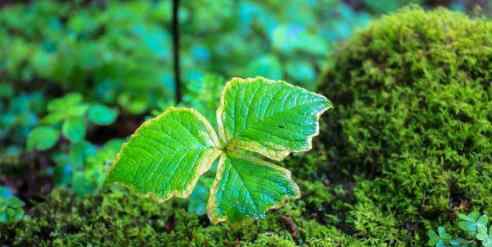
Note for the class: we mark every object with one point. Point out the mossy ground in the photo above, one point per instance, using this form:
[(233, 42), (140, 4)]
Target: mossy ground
[(118, 217), (407, 146)]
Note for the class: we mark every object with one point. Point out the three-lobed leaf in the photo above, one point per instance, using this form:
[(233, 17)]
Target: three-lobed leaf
[(167, 155)]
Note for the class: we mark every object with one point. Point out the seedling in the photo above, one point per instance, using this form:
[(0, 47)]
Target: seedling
[(10, 206), (476, 229), (257, 117), (70, 114)]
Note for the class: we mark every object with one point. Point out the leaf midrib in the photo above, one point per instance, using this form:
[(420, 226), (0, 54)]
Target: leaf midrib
[(245, 186)]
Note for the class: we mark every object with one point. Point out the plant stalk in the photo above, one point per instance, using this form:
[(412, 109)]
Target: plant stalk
[(176, 53)]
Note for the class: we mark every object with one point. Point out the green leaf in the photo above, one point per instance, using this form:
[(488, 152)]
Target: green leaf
[(472, 222), (69, 106), (101, 114), (167, 154), (443, 234), (53, 118), (248, 187), (11, 209), (76, 111), (272, 118), (74, 129), (79, 152), (484, 236), (433, 237), (6, 90), (42, 138), (68, 100)]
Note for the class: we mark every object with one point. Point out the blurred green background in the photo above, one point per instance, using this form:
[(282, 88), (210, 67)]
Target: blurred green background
[(77, 77)]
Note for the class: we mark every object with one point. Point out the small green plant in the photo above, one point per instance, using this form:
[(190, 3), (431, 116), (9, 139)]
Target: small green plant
[(70, 114), (442, 238), (80, 166), (475, 227), (10, 206), (18, 117), (168, 154)]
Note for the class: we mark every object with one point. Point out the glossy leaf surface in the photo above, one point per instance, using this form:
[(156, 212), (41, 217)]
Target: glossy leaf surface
[(248, 187), (167, 155), (272, 118)]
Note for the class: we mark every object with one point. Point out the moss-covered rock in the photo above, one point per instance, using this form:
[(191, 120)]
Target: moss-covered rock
[(412, 124)]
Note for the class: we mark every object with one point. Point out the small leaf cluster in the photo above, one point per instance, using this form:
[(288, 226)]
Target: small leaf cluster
[(69, 116), (11, 208), (475, 227), (81, 166), (19, 115)]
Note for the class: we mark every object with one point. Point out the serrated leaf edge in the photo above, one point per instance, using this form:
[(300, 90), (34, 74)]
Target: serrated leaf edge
[(256, 147), (205, 162), (212, 204)]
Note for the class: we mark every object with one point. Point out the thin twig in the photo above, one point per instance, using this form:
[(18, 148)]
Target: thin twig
[(176, 54), (291, 226)]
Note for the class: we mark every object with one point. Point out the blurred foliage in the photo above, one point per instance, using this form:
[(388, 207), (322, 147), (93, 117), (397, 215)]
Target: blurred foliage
[(475, 228), (114, 54), (70, 116), (79, 163), (10, 206), (121, 51), (19, 114), (206, 103)]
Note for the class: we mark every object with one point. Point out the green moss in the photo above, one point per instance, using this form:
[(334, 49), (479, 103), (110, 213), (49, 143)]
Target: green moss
[(118, 217), (412, 124)]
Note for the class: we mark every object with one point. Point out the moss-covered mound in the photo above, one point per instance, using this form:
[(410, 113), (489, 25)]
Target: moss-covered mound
[(412, 123)]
